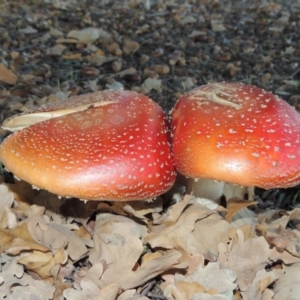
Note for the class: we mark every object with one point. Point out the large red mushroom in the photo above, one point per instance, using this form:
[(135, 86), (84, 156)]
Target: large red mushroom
[(237, 133), (107, 145)]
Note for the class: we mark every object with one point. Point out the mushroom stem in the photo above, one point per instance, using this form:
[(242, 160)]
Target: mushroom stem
[(214, 190)]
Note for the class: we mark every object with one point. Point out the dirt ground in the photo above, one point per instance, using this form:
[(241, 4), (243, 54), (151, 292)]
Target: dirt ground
[(53, 49), (161, 48)]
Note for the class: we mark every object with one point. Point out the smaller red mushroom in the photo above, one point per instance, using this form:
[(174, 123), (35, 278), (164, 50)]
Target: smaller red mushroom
[(237, 133), (108, 145)]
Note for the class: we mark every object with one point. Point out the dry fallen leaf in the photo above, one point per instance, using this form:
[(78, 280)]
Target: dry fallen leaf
[(211, 279), (18, 239), (151, 83), (6, 196), (89, 285), (122, 271), (56, 50), (11, 274), (22, 192), (88, 35), (288, 285), (272, 225), (72, 56), (7, 75), (173, 213), (18, 285), (56, 236), (192, 260), (130, 46), (8, 219), (283, 239), (185, 290), (36, 289), (217, 25), (140, 209), (42, 263), (236, 204), (118, 245), (262, 280), (246, 258), (112, 232), (198, 230)]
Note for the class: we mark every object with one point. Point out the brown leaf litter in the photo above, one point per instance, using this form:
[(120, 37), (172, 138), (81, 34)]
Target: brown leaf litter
[(193, 249)]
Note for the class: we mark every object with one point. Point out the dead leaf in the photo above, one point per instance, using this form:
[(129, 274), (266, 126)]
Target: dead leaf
[(198, 230), (109, 292), (8, 219), (18, 239), (22, 191), (274, 218), (98, 58), (283, 239), (37, 289), (90, 287), (62, 40), (57, 236), (122, 273), (56, 50), (88, 35), (174, 212), (213, 276), (210, 279), (187, 20), (140, 209), (42, 263), (272, 226), (28, 30), (129, 294), (246, 258), (12, 274), (285, 256), (130, 46), (262, 280), (243, 217), (72, 56), (19, 285), (152, 84), (114, 85), (89, 291), (118, 244), (7, 75), (236, 204), (193, 260), (185, 290), (6, 196), (217, 25), (112, 232), (288, 285)]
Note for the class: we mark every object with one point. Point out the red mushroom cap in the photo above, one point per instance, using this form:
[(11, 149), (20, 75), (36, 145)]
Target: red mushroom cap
[(116, 148), (237, 133)]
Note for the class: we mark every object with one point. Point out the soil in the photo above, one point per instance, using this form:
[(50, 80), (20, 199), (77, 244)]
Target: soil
[(178, 45)]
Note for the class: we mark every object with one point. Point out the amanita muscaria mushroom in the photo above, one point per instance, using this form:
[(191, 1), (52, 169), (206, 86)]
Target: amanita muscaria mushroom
[(237, 133), (107, 145)]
